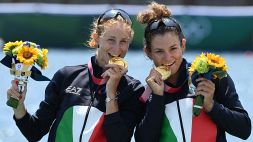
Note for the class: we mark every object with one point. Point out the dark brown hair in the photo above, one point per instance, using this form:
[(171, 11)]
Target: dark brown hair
[(154, 12)]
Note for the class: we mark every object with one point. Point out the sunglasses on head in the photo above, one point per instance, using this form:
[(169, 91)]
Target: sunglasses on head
[(114, 13), (167, 22)]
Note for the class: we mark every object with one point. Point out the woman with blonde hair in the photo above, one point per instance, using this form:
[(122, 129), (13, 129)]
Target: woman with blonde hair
[(95, 102), (169, 101)]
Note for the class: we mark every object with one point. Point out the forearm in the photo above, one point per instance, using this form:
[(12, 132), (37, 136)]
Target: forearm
[(111, 103), (20, 111), (119, 126), (112, 106), (34, 127), (26, 126), (153, 120), (228, 112), (234, 121), (116, 129)]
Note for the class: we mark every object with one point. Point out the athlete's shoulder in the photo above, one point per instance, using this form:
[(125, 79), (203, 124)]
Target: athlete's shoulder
[(70, 70)]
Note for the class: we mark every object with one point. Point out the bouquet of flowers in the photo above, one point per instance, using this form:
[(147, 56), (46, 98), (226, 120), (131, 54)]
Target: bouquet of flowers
[(21, 58), (209, 66)]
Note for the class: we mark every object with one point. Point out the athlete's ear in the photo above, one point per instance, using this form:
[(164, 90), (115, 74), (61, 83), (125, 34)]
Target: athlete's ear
[(183, 44), (148, 52)]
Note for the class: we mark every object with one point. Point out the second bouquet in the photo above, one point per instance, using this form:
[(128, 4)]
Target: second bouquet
[(209, 66), (21, 58)]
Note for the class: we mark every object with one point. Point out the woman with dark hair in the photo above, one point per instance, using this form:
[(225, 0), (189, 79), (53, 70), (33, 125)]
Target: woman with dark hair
[(95, 102), (169, 100)]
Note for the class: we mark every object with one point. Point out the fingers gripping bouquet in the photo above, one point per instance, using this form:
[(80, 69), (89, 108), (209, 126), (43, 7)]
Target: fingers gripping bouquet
[(209, 66), (21, 58)]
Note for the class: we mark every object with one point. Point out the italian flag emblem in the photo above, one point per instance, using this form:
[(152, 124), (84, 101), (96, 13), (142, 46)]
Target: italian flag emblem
[(69, 128), (196, 129)]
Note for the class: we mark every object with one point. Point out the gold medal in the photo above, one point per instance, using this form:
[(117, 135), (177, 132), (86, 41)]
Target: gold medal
[(164, 71), (118, 61)]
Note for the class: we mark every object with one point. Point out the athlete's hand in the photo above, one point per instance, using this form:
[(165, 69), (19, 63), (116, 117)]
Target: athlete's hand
[(114, 74), (206, 88), (13, 92), (155, 82), (20, 111)]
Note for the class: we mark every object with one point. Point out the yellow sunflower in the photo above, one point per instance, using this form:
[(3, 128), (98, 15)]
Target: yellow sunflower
[(42, 60), (193, 65), (8, 47), (45, 59), (225, 68), (215, 60), (27, 55)]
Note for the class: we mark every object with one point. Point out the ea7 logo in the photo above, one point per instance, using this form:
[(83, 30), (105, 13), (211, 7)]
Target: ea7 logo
[(73, 90)]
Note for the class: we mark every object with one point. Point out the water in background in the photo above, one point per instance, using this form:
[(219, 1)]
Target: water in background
[(240, 69)]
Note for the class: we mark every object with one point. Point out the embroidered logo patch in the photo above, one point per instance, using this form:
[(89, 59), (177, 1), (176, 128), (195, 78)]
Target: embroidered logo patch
[(73, 90)]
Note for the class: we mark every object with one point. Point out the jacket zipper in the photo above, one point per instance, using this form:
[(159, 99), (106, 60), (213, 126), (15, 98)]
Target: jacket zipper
[(181, 121), (86, 116)]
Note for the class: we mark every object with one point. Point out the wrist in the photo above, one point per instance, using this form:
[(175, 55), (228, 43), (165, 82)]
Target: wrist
[(110, 99), (20, 111), (209, 106), (112, 94), (159, 93), (111, 103)]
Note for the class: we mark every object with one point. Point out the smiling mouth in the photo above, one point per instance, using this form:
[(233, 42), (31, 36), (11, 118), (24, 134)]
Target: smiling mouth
[(169, 64), (111, 55)]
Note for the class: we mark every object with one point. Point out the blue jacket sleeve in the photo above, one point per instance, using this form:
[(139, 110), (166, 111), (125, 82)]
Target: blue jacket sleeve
[(35, 126), (153, 119), (119, 126), (228, 112)]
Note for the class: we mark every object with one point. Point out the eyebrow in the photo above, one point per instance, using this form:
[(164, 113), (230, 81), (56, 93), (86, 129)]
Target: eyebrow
[(111, 37), (173, 45), (158, 48), (125, 38)]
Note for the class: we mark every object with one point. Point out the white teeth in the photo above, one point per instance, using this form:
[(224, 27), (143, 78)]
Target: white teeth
[(113, 55), (170, 64)]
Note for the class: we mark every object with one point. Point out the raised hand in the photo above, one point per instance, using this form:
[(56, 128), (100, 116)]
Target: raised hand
[(20, 111), (155, 82), (206, 88), (114, 74)]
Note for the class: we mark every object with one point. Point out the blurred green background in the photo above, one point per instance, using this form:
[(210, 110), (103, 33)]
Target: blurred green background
[(207, 25)]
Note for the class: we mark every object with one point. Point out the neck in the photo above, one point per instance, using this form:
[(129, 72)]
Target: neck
[(179, 77), (99, 63), (173, 79)]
